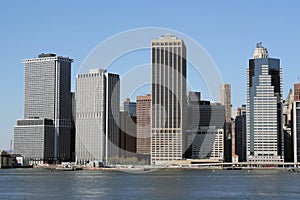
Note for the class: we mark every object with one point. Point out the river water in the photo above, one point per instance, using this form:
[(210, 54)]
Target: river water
[(162, 184)]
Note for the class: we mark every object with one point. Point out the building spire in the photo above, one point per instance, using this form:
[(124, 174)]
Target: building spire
[(260, 51)]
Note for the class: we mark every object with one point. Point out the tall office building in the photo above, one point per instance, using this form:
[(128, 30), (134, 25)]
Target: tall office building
[(296, 123), (128, 106), (264, 108), (168, 99), (193, 105), (287, 121), (240, 133), (205, 129), (297, 92), (143, 109), (34, 139), (287, 109), (225, 99), (128, 128), (127, 134), (45, 134), (97, 116)]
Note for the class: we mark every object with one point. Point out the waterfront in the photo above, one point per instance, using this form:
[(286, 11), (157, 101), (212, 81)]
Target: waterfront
[(162, 184)]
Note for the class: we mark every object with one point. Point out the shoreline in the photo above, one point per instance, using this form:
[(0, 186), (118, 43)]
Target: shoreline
[(189, 168), (148, 168), (156, 168)]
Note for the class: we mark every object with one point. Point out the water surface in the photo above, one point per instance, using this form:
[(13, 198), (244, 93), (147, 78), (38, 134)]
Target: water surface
[(163, 184)]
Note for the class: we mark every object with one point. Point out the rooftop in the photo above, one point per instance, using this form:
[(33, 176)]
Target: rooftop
[(260, 51)]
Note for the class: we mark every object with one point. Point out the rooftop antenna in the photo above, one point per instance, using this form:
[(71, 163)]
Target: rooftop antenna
[(259, 45)]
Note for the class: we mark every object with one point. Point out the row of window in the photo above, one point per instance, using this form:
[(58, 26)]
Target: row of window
[(165, 43)]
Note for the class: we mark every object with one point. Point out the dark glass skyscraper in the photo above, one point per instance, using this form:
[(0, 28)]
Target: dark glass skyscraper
[(264, 108), (205, 128), (240, 133), (47, 132)]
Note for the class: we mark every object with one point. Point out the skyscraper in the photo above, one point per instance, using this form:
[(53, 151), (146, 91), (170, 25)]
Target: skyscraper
[(296, 123), (287, 125), (240, 133), (143, 108), (128, 128), (127, 134), (45, 134), (297, 92), (205, 128), (264, 108), (225, 99), (97, 116), (168, 99), (128, 106)]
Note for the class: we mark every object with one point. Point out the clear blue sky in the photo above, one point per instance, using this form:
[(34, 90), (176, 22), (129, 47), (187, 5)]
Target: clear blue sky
[(228, 30)]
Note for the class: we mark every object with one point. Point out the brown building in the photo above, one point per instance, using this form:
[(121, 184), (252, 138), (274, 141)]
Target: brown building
[(297, 92), (143, 110), (225, 99), (296, 124), (127, 134)]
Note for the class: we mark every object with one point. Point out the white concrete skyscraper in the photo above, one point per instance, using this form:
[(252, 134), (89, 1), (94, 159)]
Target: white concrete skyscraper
[(97, 116), (264, 108), (168, 58)]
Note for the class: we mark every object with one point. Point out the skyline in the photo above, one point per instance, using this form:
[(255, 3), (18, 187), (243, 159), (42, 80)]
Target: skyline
[(23, 36)]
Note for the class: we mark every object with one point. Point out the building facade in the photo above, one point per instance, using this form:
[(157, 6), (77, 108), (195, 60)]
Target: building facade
[(143, 108), (240, 133), (264, 108), (287, 121), (47, 98), (127, 134), (225, 99), (128, 106), (7, 160), (208, 144), (37, 133), (297, 92), (296, 123), (168, 58), (205, 129), (97, 116)]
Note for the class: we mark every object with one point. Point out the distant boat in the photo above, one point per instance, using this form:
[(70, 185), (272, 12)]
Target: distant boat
[(232, 168), (147, 169), (294, 170)]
